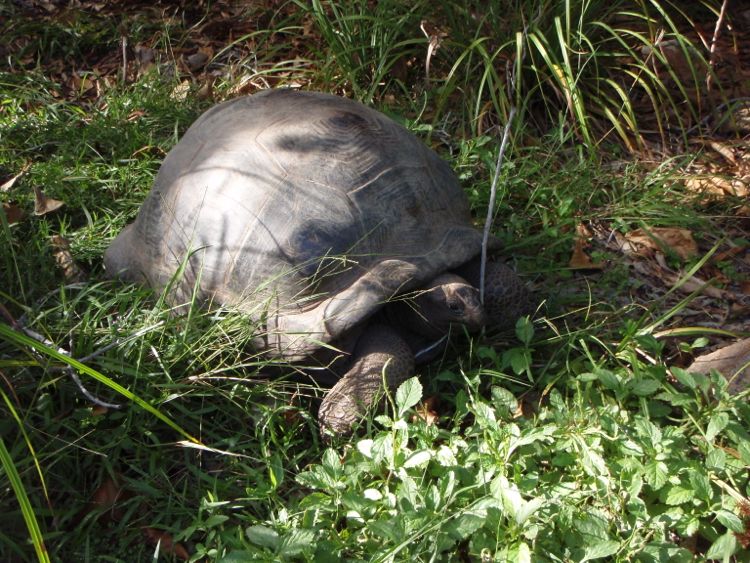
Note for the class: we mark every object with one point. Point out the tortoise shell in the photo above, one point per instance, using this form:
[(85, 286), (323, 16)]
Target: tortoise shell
[(305, 210)]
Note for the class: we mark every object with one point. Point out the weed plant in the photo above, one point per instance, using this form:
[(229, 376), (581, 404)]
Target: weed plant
[(573, 438)]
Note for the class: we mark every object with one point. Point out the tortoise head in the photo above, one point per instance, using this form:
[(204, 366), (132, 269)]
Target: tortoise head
[(446, 300)]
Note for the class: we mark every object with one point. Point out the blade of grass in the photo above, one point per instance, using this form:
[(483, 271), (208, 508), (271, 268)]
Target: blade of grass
[(23, 500), (23, 340)]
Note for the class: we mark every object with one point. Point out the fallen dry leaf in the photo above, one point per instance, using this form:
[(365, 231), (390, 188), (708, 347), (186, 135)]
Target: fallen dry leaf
[(732, 361), (716, 185), (106, 497), (206, 92), (680, 241), (64, 259), (427, 410), (8, 184), (44, 204), (13, 213), (579, 260), (724, 151), (180, 92)]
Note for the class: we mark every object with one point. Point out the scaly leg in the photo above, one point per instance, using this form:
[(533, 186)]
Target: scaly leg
[(380, 358)]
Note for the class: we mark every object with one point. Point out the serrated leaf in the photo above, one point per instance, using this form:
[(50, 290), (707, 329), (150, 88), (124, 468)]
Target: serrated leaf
[(656, 473), (600, 549), (701, 484), (647, 429), (716, 459), (382, 448), (723, 548), (316, 478), (296, 541), (408, 394), (263, 536), (717, 423), (504, 398), (315, 500), (507, 492), (730, 520), (679, 495), (609, 379), (684, 377), (331, 461), (644, 387), (465, 524)]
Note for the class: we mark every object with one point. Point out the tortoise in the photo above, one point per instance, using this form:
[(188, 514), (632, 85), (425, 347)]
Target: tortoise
[(329, 225)]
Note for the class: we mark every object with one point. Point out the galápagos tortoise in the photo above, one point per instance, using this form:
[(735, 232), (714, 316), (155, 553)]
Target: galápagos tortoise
[(329, 225)]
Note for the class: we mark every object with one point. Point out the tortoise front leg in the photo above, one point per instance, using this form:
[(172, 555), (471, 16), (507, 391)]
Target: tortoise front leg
[(381, 359)]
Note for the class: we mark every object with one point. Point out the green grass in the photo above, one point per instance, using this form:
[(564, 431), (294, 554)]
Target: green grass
[(575, 438)]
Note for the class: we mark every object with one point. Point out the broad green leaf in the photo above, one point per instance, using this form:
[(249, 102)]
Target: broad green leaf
[(609, 379), (656, 473), (528, 509), (684, 377), (408, 394), (417, 458), (388, 528), (647, 429), (716, 459), (263, 536), (465, 524), (723, 548), (730, 520), (365, 447), (296, 541), (331, 461), (504, 399), (523, 555), (525, 330), (600, 549), (519, 360), (372, 494), (701, 484), (382, 448), (717, 423), (679, 495), (644, 387)]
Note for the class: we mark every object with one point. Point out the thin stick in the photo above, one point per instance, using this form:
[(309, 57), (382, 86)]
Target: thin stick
[(491, 206), (69, 370), (715, 38)]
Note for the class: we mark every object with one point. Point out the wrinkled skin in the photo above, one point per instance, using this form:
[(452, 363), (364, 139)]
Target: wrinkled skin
[(385, 353)]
